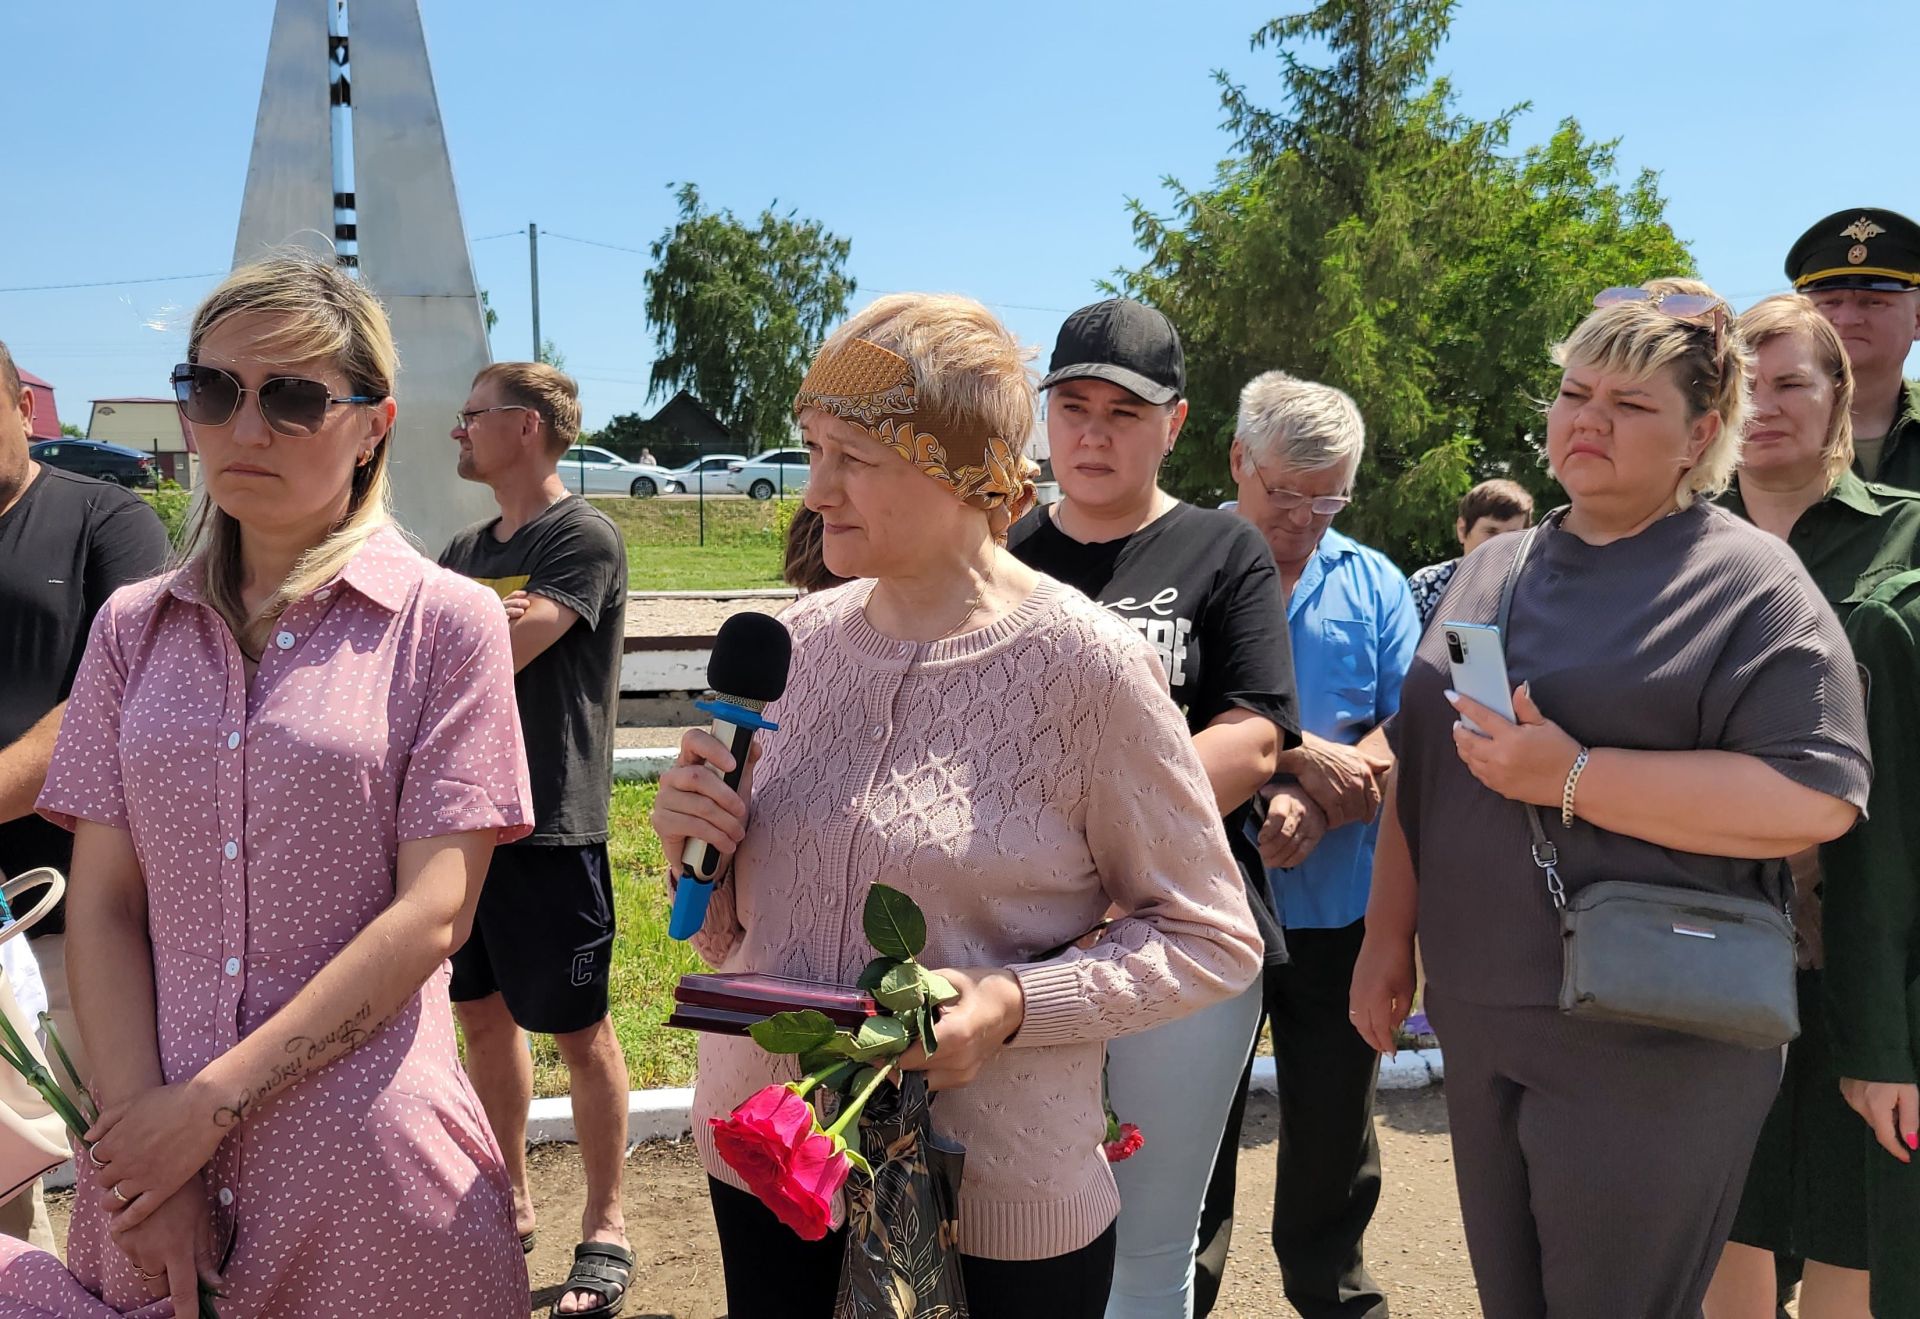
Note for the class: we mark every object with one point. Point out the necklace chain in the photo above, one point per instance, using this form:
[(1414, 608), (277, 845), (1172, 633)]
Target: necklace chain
[(973, 607)]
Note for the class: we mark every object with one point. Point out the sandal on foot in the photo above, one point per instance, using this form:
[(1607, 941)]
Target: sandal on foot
[(605, 1270)]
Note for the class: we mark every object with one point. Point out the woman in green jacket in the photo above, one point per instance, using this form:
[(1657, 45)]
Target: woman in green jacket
[(1809, 1193)]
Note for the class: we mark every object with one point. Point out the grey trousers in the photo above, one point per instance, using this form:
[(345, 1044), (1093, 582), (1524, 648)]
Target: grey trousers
[(1599, 1165)]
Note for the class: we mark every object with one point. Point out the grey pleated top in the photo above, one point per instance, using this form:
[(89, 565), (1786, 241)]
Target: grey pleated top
[(1700, 632)]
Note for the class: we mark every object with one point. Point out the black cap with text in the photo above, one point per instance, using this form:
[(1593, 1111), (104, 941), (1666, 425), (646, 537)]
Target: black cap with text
[(1122, 342)]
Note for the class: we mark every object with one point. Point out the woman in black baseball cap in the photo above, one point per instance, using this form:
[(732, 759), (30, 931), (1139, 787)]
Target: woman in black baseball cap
[(1200, 586)]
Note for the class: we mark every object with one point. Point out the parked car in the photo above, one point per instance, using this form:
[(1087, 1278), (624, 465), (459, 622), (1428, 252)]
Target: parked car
[(708, 475), (590, 470), (107, 462), (781, 472)]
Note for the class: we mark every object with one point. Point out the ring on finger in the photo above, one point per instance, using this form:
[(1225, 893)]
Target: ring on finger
[(119, 1194), (149, 1277), (95, 1159)]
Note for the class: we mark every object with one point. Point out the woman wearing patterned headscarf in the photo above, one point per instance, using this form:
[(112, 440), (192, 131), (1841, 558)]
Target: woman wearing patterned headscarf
[(998, 747)]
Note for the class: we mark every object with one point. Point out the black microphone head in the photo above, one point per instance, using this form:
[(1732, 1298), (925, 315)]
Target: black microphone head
[(750, 658)]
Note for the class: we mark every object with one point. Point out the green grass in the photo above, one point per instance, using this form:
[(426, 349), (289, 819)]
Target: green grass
[(646, 963), (744, 546), (715, 568)]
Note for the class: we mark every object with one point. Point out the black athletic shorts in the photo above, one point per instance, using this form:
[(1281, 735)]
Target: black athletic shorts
[(542, 936)]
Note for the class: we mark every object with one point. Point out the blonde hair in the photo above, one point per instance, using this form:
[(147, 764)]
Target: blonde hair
[(1794, 313), (1309, 427), (323, 316), (965, 362), (1637, 339), (549, 391)]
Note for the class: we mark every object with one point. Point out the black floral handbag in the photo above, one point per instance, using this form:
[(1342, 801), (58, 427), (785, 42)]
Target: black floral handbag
[(903, 1227)]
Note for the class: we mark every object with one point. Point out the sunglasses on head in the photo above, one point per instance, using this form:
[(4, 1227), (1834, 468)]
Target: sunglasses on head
[(291, 405), (1699, 308)]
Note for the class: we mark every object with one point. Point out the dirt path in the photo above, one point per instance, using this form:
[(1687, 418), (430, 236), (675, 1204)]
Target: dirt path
[(661, 616), (1415, 1248)]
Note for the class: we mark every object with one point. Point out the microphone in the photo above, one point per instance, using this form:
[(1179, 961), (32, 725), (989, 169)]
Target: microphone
[(747, 673)]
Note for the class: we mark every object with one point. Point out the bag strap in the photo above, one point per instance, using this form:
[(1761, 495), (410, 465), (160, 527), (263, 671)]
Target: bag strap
[(56, 886), (1545, 855)]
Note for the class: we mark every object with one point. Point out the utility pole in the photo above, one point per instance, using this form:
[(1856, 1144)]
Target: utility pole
[(533, 265)]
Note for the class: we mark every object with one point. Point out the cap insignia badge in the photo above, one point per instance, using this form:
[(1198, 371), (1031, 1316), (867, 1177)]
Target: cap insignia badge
[(1861, 230)]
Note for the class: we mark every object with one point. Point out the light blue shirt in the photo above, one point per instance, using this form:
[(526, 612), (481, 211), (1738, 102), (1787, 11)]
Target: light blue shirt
[(1354, 629)]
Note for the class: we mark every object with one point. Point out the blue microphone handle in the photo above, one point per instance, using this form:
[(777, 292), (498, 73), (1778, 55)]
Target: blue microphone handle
[(734, 725)]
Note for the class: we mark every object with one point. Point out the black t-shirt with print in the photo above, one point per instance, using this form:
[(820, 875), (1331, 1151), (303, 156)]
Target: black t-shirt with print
[(1201, 587), (67, 544), (569, 694)]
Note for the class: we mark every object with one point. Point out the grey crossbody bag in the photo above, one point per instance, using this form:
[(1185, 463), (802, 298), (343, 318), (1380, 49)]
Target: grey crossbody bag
[(1704, 964)]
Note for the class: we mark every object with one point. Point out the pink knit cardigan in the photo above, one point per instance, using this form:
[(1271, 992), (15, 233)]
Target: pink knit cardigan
[(1017, 782)]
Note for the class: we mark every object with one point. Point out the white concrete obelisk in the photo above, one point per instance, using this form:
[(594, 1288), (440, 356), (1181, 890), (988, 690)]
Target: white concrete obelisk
[(378, 197)]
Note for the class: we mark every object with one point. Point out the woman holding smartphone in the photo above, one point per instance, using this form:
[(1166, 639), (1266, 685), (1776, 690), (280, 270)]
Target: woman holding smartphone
[(1687, 712)]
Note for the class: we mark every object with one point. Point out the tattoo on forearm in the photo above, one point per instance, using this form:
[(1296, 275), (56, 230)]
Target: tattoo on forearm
[(305, 1054)]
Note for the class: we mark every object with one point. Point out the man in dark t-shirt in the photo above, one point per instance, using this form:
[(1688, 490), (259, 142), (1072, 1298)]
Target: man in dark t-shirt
[(67, 542), (542, 942)]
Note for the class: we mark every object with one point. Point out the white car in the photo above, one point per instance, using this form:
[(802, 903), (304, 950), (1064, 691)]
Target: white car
[(708, 475), (781, 472), (590, 470)]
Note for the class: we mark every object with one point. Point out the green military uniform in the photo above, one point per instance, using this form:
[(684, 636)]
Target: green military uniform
[(1872, 904), (1869, 248), (1900, 459), (1815, 1190), (1806, 1195), (1858, 536)]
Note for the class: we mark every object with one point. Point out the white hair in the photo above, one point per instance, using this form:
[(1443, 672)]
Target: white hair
[(1303, 425)]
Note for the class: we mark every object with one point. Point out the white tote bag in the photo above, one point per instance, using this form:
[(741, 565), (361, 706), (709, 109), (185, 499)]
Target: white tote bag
[(33, 1139)]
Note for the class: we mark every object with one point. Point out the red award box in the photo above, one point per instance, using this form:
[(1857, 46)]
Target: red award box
[(728, 1004)]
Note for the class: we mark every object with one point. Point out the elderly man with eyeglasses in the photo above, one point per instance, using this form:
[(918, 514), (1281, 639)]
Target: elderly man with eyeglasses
[(1352, 622)]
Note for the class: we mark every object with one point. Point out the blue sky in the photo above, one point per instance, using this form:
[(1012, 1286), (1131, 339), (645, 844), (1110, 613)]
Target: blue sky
[(987, 148)]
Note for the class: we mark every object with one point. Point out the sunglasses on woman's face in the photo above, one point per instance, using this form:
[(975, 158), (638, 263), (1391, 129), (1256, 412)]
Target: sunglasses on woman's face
[(1697, 307), (291, 405)]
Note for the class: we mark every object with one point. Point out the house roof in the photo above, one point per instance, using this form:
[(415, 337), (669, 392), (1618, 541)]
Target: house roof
[(169, 404), (687, 415), (46, 416)]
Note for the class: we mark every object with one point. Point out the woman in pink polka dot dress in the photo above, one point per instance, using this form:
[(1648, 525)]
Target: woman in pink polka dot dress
[(286, 764)]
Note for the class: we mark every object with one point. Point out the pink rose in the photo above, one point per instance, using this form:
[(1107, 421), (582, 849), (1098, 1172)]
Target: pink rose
[(793, 1167)]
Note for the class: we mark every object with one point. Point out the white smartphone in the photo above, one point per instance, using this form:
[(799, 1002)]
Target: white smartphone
[(1479, 665)]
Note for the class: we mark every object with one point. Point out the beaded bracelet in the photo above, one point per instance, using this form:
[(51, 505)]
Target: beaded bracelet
[(1573, 783)]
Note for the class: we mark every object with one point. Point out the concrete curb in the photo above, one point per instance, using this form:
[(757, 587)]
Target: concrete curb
[(651, 1115), (642, 764), (1411, 1069), (664, 1114), (752, 593)]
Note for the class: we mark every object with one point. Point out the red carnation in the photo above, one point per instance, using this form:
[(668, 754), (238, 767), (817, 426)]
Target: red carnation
[(1126, 1144)]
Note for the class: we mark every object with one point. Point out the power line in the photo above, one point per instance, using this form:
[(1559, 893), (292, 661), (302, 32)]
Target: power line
[(511, 233), (594, 242), (112, 283)]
